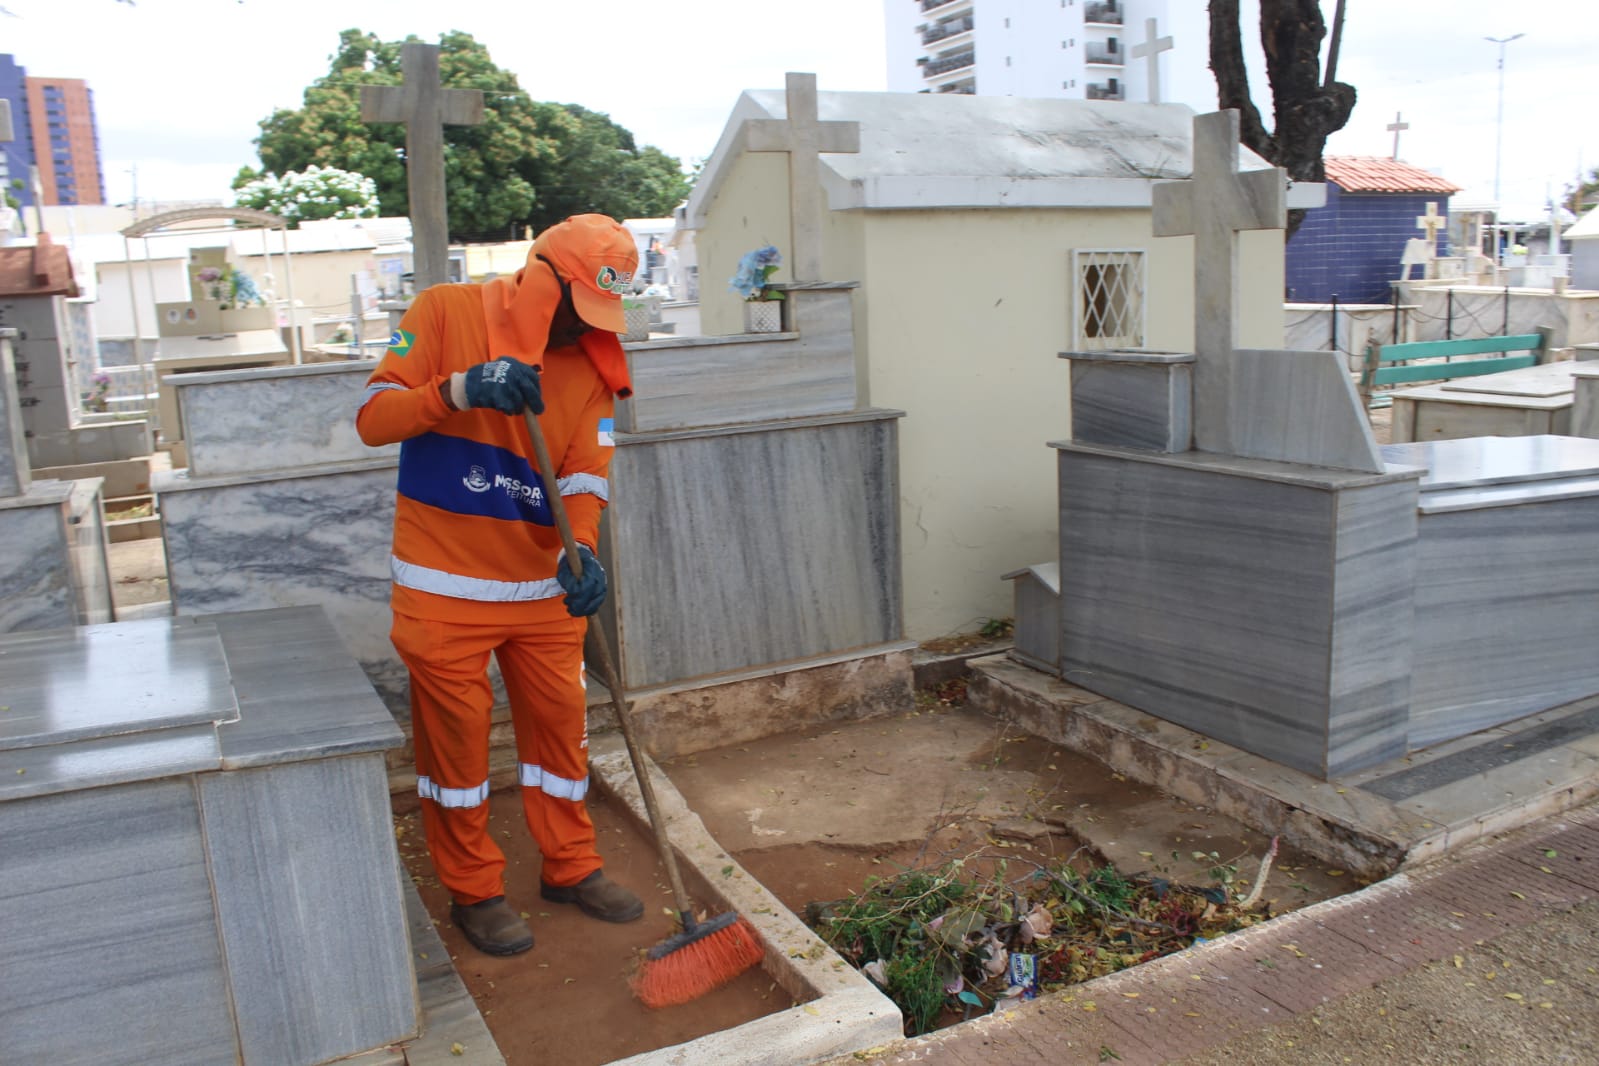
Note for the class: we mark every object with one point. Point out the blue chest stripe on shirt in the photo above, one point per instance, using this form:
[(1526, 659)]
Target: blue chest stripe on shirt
[(468, 477)]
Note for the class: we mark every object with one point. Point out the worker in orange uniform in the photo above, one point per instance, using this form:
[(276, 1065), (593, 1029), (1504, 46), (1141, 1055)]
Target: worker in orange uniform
[(477, 560)]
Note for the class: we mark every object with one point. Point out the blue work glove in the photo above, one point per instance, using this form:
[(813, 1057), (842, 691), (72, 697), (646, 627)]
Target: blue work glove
[(507, 385), (583, 594)]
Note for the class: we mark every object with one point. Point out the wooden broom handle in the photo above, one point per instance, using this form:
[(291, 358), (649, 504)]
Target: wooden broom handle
[(608, 675)]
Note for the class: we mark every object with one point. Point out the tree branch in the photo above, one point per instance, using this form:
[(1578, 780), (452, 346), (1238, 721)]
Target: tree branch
[(1232, 80)]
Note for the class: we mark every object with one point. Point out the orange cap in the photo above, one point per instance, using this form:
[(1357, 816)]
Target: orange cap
[(597, 255)]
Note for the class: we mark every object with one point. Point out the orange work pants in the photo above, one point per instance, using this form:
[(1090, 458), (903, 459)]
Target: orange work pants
[(451, 703)]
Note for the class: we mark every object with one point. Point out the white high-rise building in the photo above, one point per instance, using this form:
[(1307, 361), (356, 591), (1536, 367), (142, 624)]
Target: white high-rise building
[(1078, 49)]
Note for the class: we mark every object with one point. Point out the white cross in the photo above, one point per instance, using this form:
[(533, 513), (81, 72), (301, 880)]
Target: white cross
[(1395, 127), (1214, 206), (804, 139), (1152, 47), (1432, 222), (425, 107)]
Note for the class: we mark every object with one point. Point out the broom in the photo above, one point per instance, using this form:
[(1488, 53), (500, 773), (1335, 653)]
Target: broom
[(705, 955)]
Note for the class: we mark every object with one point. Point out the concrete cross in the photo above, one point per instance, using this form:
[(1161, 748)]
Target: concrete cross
[(1432, 222), (1152, 47), (1214, 206), (426, 108), (1396, 127), (804, 139)]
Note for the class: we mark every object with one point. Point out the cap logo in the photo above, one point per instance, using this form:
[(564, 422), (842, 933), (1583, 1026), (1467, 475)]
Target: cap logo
[(612, 280)]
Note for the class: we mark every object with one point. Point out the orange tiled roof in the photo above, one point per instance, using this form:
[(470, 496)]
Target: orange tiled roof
[(36, 270), (1375, 173)]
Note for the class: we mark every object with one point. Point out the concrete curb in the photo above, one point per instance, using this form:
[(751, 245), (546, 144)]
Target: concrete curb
[(840, 1011), (1337, 821)]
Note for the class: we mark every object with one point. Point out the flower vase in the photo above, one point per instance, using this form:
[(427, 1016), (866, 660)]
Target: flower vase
[(763, 316)]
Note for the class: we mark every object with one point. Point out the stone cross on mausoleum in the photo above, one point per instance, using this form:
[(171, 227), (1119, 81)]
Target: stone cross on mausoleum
[(804, 138), (426, 108), (1396, 127), (1432, 222), (1213, 207), (1152, 47)]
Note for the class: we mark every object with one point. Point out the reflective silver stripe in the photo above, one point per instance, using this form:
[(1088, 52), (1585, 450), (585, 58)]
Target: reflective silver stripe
[(460, 587), (560, 787), (373, 390), (574, 484), (451, 797)]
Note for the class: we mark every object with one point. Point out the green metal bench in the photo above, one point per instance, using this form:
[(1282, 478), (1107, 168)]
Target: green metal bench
[(1393, 364)]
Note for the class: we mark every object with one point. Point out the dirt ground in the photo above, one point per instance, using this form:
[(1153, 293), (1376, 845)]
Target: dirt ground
[(138, 572), (813, 815), (568, 1000)]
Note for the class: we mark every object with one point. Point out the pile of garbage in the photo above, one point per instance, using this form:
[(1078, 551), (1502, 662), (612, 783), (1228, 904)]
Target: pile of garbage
[(945, 944)]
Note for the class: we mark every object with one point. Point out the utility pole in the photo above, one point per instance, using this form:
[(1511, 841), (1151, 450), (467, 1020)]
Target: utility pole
[(1499, 148)]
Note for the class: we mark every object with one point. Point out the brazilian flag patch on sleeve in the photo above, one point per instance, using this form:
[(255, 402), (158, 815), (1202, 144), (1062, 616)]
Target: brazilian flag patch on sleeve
[(400, 342)]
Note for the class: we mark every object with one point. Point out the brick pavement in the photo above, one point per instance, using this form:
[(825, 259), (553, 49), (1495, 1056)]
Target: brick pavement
[(1297, 965)]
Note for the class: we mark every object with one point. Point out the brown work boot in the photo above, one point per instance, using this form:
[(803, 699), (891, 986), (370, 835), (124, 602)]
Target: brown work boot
[(598, 897), (492, 926)]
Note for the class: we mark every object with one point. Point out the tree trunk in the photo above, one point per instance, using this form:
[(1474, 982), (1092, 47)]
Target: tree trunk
[(1305, 112)]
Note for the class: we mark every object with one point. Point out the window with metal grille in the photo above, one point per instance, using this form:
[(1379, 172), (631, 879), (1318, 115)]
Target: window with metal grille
[(1108, 302)]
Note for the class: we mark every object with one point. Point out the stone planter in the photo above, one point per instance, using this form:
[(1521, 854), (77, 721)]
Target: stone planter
[(763, 316), (638, 321)]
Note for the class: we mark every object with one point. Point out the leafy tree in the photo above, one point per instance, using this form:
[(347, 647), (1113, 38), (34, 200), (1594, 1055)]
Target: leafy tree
[(1580, 200), (316, 192), (527, 164), (1306, 108)]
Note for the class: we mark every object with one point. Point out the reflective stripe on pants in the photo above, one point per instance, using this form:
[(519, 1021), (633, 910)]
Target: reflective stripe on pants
[(451, 705)]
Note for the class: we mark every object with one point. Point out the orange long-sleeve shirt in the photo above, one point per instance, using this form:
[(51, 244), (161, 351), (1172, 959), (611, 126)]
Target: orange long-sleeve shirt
[(474, 539)]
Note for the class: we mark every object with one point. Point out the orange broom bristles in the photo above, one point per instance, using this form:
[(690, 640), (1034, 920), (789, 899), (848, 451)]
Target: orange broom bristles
[(699, 967)]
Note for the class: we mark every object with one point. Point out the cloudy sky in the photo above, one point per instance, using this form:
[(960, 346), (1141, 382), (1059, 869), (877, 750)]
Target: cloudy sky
[(180, 85)]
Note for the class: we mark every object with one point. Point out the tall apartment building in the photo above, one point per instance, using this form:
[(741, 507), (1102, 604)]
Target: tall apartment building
[(1078, 49), (66, 146), (53, 120)]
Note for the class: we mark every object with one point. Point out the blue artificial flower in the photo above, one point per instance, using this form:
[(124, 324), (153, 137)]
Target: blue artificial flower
[(753, 270)]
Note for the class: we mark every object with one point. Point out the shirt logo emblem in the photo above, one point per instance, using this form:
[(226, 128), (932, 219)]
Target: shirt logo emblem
[(477, 480), (400, 342), (607, 431)]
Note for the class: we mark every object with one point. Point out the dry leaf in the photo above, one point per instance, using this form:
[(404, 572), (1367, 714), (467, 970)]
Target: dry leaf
[(1513, 995)]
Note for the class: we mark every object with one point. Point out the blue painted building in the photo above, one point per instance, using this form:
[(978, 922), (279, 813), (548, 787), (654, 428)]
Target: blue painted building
[(16, 156), (1352, 247)]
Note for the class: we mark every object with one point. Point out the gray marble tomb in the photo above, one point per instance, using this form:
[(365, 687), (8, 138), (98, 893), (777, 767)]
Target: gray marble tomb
[(198, 863), (752, 529), (53, 567), (1240, 557)]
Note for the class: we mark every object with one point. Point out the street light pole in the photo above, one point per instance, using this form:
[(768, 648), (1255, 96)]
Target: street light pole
[(1499, 147)]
